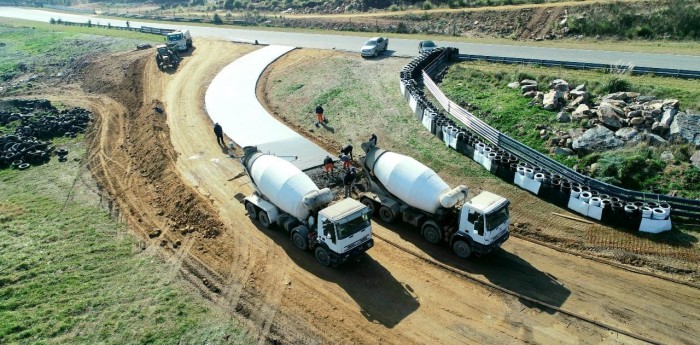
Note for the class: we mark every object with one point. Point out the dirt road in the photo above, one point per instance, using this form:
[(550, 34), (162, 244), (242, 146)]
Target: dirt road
[(165, 170)]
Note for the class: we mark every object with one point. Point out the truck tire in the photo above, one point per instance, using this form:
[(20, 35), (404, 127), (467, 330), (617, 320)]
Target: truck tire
[(299, 241), (322, 256), (386, 214), (462, 249), (431, 233), (371, 205), (264, 219), (252, 211)]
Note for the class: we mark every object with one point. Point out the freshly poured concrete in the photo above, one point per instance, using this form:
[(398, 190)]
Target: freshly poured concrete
[(231, 101)]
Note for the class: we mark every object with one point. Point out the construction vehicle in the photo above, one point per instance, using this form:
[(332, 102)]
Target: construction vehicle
[(399, 187), (180, 39), (286, 197), (166, 58)]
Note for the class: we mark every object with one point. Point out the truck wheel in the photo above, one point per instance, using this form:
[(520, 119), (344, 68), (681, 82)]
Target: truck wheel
[(386, 214), (252, 211), (371, 205), (431, 233), (299, 241), (264, 219), (462, 249), (322, 256)]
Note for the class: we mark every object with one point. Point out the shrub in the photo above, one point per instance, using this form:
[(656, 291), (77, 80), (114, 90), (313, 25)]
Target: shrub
[(427, 5), (217, 19), (617, 84)]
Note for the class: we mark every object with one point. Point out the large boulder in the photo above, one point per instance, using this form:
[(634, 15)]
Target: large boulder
[(686, 129), (610, 115), (527, 88), (695, 159), (626, 133), (655, 140), (581, 112), (563, 151), (620, 96), (598, 138), (667, 117), (528, 82), (563, 116), (579, 93), (551, 100), (514, 85), (559, 85)]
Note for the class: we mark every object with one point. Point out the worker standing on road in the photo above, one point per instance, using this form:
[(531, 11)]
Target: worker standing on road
[(349, 181), (328, 165), (347, 150), (319, 115), (219, 134)]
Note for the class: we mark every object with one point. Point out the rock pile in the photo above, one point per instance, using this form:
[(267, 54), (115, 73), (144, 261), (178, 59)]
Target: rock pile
[(611, 121)]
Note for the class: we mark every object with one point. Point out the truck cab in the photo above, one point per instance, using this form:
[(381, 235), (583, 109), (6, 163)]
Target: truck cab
[(483, 225), (344, 232), (180, 40)]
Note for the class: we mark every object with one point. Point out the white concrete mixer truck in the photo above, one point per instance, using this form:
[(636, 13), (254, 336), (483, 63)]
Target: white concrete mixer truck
[(402, 188), (286, 197)]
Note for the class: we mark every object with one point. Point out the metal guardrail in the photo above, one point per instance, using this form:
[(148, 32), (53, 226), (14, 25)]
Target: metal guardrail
[(143, 29), (683, 207), (666, 72)]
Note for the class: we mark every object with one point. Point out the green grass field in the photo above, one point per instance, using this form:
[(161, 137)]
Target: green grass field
[(70, 274)]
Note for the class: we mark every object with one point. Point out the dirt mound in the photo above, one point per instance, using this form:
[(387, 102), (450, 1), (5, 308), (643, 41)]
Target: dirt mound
[(149, 156)]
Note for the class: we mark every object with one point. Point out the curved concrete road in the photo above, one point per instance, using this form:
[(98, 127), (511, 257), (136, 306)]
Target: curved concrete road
[(231, 101), (398, 47)]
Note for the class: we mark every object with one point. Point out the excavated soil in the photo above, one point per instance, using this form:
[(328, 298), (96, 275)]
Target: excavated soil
[(153, 153)]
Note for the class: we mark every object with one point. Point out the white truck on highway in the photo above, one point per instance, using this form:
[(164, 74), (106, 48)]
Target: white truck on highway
[(179, 39), (402, 188), (287, 197)]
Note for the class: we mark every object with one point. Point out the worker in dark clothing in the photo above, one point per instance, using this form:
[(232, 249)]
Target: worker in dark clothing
[(319, 115), (346, 160), (328, 165), (219, 134), (349, 181), (373, 139), (347, 150)]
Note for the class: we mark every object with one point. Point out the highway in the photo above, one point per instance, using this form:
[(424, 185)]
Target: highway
[(397, 47)]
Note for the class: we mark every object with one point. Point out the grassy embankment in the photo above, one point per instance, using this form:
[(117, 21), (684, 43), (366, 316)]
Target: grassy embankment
[(484, 86), (69, 273), (36, 47)]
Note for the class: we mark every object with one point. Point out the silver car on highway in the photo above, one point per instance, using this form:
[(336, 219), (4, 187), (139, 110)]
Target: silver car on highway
[(374, 46)]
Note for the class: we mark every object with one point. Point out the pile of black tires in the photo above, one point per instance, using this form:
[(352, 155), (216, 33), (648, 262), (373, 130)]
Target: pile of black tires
[(37, 123)]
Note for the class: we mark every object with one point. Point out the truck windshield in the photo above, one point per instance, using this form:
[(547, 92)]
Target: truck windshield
[(496, 218), (176, 37), (354, 226)]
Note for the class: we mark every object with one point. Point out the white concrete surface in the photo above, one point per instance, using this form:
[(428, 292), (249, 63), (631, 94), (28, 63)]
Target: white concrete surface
[(231, 101)]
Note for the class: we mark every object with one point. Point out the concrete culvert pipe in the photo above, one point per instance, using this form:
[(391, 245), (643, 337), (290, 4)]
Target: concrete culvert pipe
[(659, 213), (575, 192), (529, 173), (646, 211), (594, 201), (539, 177), (630, 208), (585, 196)]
